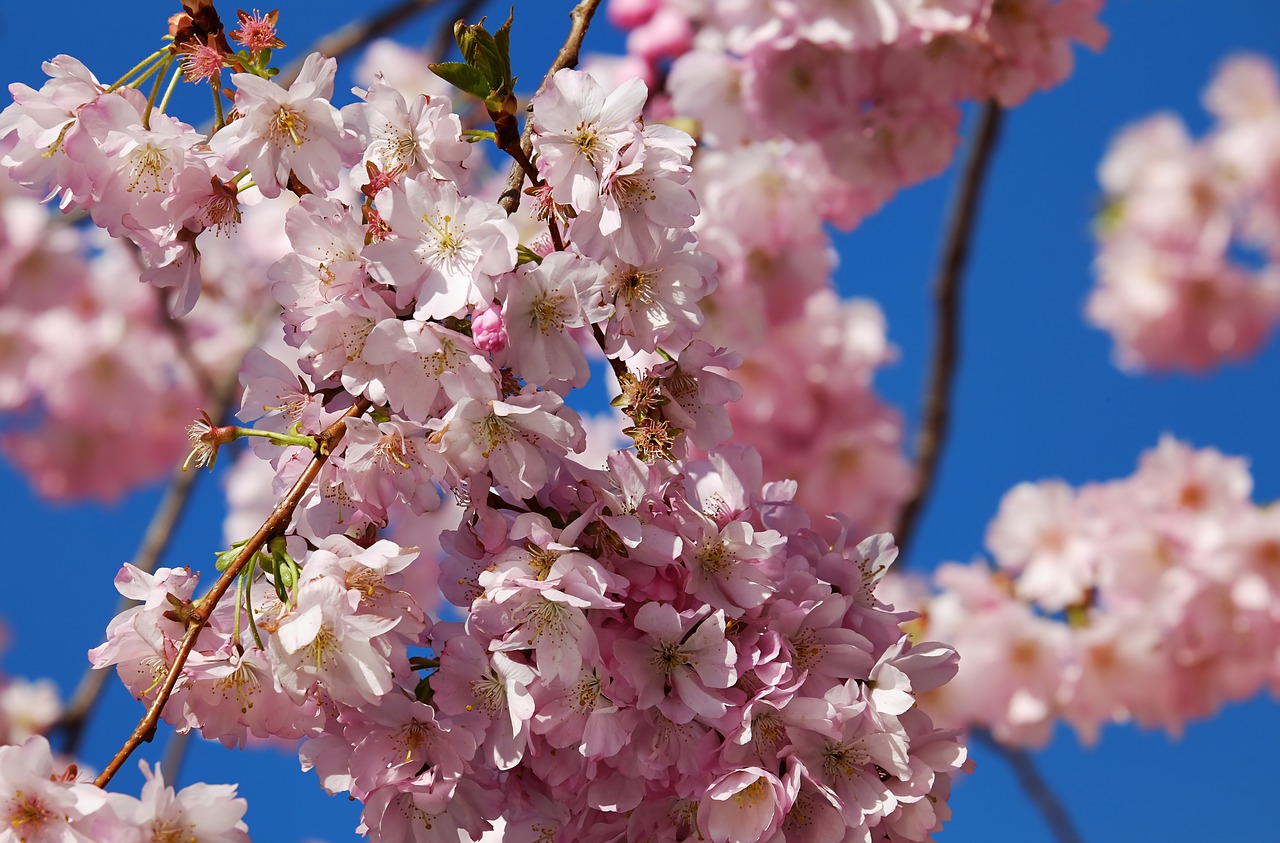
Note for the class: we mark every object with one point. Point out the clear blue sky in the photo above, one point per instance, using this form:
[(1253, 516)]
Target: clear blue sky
[(1037, 397)]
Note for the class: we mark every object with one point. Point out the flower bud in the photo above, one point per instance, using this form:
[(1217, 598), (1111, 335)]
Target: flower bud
[(488, 330)]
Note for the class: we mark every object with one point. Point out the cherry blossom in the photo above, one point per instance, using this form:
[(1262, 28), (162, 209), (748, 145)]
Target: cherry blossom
[(280, 132)]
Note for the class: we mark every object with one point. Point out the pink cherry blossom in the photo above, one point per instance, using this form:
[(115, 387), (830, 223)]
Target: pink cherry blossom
[(283, 131), (447, 250), (579, 131)]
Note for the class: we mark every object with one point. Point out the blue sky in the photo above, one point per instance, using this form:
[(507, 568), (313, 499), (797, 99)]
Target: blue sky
[(1036, 397)]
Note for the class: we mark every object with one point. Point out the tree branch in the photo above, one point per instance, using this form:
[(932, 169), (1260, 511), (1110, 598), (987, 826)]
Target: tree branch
[(358, 33), (567, 57), (275, 525), (946, 291), (1037, 789), (154, 543)]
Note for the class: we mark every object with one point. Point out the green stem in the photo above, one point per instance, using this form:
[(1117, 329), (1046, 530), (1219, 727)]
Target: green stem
[(163, 67), (248, 604), (220, 119), (235, 627), (480, 134), (282, 439), (137, 68), (173, 83)]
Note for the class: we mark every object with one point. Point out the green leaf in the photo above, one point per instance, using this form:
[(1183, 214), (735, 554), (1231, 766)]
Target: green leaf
[(502, 39), (462, 76), (526, 255), (423, 690)]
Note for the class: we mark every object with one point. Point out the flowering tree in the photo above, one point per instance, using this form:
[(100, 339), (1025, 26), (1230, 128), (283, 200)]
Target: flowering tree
[(477, 613)]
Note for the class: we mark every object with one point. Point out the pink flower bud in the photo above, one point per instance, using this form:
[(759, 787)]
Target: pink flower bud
[(488, 330)]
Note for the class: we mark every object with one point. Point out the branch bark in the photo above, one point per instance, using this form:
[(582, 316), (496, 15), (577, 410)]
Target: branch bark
[(935, 422), (566, 58), (275, 525), (1037, 789), (356, 34)]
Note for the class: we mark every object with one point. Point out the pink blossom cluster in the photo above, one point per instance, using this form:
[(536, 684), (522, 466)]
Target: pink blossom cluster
[(1187, 273), (44, 799), (812, 113), (1150, 599), (809, 359), (867, 90), (661, 647), (807, 392), (688, 655), (97, 379)]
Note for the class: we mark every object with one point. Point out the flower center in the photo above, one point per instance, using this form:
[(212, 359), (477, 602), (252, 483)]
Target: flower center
[(587, 693), (635, 286), (715, 556), (243, 682), (843, 760), (548, 314), (149, 164), (806, 648), (289, 124), (495, 430), (587, 140), (28, 811), (171, 831), (667, 657), (490, 694)]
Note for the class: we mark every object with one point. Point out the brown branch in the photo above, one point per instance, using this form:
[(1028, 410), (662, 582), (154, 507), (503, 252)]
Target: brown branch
[(358, 33), (566, 58), (154, 543), (946, 291), (1037, 789), (275, 525)]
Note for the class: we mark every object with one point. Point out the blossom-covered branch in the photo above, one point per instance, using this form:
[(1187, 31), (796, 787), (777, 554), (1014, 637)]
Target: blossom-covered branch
[(580, 16), (155, 541), (196, 615)]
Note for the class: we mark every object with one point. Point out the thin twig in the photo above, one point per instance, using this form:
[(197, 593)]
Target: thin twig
[(154, 543), (203, 609), (946, 291), (567, 57), (358, 33), (1037, 789)]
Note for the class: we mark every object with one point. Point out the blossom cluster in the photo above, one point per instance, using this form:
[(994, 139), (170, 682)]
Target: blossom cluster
[(816, 113), (44, 799), (104, 414), (866, 94), (809, 391), (1150, 599), (660, 646), (1187, 276)]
